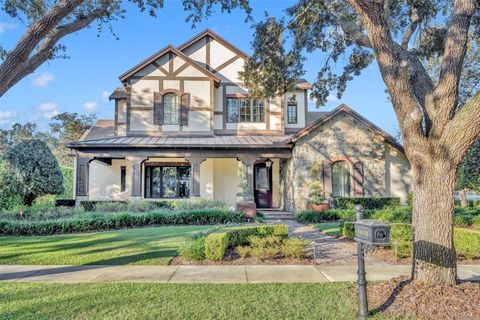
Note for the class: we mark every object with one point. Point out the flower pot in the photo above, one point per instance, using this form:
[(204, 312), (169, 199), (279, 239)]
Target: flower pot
[(248, 208), (321, 207)]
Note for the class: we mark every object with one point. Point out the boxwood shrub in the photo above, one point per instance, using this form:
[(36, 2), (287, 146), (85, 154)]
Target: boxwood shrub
[(401, 239), (347, 230), (467, 242), (238, 236), (215, 246), (99, 221), (194, 250), (367, 203)]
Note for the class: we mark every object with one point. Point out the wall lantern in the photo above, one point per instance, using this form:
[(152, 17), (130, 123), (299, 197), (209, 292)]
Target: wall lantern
[(368, 234), (268, 163)]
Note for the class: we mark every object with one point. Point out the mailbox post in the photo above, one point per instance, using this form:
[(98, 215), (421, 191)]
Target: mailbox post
[(368, 234)]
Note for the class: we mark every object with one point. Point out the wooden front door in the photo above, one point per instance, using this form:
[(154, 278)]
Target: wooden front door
[(263, 186)]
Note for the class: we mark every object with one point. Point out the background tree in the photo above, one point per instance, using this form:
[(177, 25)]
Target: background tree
[(50, 21), (30, 170), (18, 132), (468, 174), (68, 127), (437, 127)]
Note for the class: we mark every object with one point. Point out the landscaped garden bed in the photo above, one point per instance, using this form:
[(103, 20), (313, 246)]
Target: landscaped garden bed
[(262, 244), (46, 219)]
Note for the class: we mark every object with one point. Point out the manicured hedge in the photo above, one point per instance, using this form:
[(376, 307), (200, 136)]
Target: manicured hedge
[(367, 203), (215, 244), (467, 241), (97, 221), (329, 215), (347, 229)]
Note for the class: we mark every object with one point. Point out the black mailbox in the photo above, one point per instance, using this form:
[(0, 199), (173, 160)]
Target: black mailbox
[(372, 232)]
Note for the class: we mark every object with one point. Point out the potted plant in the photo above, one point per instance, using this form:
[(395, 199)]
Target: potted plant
[(246, 201), (316, 198)]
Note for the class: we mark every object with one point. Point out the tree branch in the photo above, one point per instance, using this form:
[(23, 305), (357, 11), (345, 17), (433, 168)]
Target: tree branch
[(446, 91), (46, 48), (463, 130), (31, 38), (414, 21)]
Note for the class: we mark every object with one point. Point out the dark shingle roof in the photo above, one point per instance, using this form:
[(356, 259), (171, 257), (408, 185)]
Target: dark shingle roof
[(313, 116), (119, 93), (101, 130)]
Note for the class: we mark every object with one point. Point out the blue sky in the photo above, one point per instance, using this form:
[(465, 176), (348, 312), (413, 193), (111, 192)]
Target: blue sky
[(83, 82)]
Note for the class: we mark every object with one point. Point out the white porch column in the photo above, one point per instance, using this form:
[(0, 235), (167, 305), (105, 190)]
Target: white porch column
[(195, 174), (136, 175), (248, 162)]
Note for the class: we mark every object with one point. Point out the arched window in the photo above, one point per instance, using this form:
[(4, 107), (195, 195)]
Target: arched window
[(340, 179), (171, 108)]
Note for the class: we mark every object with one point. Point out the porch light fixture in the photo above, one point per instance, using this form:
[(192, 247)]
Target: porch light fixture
[(268, 163)]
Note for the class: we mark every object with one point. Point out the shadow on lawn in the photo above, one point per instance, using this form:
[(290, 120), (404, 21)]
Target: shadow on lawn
[(105, 263)]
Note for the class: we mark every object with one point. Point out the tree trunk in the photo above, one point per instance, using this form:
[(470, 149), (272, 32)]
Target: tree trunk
[(435, 260), (463, 198)]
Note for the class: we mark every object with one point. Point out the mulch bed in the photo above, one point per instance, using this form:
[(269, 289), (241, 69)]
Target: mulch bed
[(232, 258), (405, 299)]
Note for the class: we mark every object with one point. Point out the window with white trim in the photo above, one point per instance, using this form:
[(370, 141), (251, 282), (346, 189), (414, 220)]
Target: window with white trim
[(245, 110)]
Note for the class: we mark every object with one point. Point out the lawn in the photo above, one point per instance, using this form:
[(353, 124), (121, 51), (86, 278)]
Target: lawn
[(133, 246), (177, 301), (330, 228)]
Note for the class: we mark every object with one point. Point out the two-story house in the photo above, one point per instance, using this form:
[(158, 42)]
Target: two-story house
[(184, 124)]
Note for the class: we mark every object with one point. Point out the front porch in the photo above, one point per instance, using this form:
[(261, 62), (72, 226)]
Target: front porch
[(207, 176)]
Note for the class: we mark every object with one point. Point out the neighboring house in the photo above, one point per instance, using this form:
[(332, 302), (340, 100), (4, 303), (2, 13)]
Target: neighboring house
[(184, 124)]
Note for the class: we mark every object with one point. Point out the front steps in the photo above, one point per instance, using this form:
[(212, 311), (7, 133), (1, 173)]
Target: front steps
[(276, 214)]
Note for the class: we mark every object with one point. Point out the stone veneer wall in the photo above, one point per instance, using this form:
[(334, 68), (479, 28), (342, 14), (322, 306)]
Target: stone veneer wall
[(340, 137)]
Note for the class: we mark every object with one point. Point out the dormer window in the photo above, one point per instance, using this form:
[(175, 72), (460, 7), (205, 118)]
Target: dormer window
[(245, 110), (171, 108)]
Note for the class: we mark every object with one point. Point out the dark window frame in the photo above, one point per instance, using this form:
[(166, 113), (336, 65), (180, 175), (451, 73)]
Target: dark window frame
[(167, 117), (148, 184), (290, 119), (246, 110), (123, 178)]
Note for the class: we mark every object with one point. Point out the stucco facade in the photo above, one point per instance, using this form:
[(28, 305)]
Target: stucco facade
[(184, 123)]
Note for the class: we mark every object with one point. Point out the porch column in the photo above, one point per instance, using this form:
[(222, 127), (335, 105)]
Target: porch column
[(81, 184), (195, 175), (136, 175), (248, 162)]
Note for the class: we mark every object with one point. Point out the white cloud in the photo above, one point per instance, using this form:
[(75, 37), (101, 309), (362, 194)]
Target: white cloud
[(332, 98), (48, 110), (90, 106), (4, 27), (106, 96), (6, 116), (42, 80)]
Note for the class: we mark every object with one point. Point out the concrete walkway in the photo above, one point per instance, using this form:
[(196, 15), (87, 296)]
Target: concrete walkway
[(326, 250), (210, 274)]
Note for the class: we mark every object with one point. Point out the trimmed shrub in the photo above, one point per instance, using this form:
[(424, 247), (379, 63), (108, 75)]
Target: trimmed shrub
[(265, 247), (329, 215), (215, 246), (467, 242), (463, 220), (392, 215), (367, 203), (239, 236), (98, 221), (294, 247), (401, 238), (243, 251), (195, 250), (348, 230)]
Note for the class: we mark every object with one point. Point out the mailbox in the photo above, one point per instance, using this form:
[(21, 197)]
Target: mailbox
[(372, 232)]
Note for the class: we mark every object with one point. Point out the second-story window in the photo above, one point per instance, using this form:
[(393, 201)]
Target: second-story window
[(245, 110), (171, 108), (292, 113)]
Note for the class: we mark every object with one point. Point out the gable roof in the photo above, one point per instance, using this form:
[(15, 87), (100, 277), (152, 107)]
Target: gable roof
[(344, 108), (161, 53), (119, 93), (103, 128), (211, 34)]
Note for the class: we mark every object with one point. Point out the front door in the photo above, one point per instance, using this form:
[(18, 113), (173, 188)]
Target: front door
[(263, 186)]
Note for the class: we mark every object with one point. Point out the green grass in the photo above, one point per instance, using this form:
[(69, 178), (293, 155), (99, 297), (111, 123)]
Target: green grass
[(177, 301), (133, 246), (330, 228)]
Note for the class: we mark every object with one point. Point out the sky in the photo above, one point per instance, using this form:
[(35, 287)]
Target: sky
[(83, 82)]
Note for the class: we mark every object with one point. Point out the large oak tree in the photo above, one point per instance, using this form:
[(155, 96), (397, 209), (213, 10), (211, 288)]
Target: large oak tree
[(437, 125), (48, 22)]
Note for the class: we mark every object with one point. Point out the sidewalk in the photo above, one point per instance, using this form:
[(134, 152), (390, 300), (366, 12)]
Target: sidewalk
[(210, 274)]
